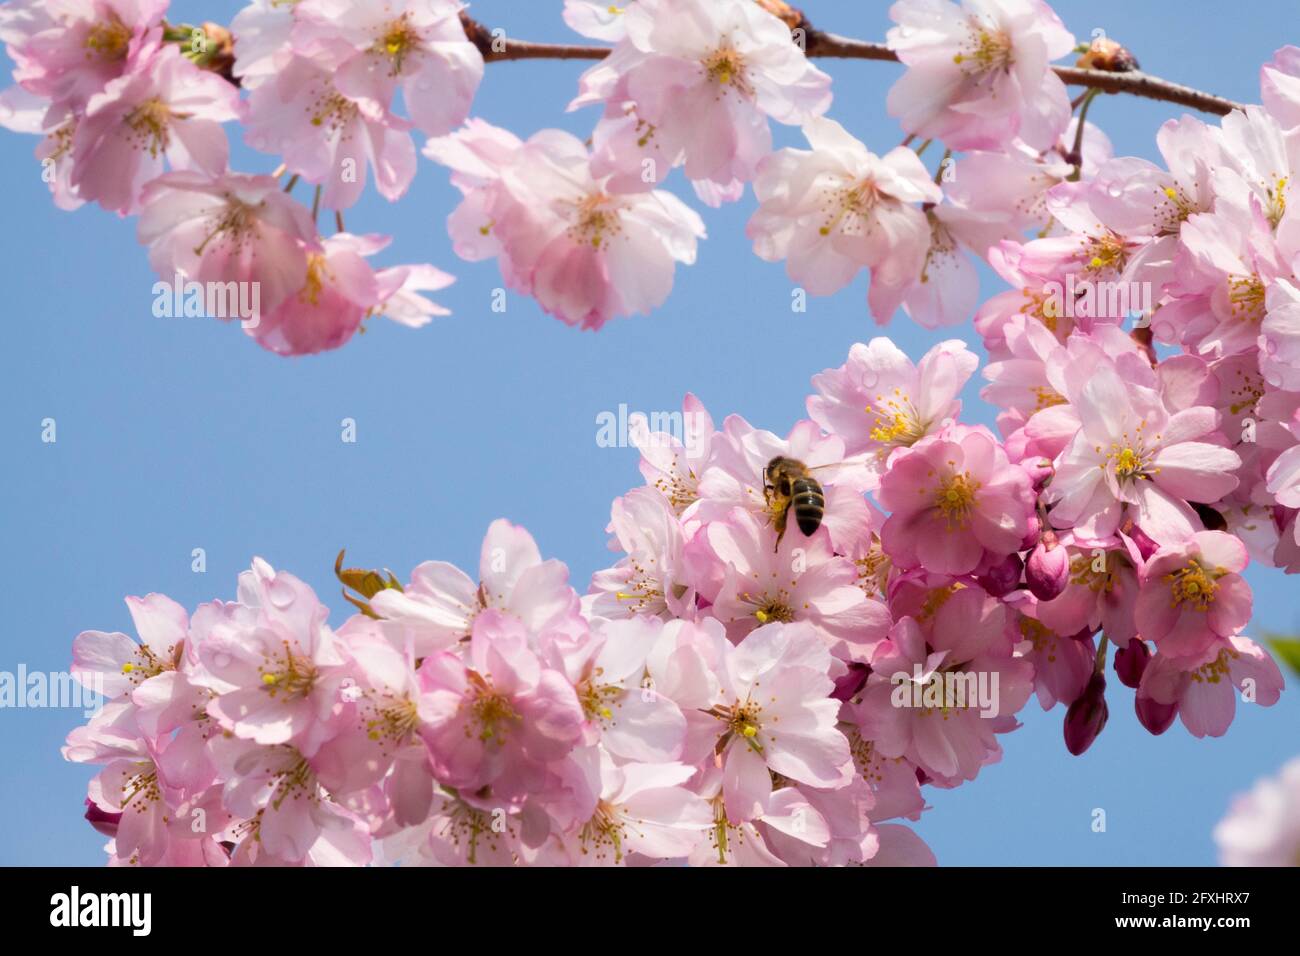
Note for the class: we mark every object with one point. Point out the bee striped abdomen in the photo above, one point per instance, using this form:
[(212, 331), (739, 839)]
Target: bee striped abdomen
[(808, 504)]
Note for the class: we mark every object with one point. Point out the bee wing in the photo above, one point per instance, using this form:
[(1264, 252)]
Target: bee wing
[(851, 471)]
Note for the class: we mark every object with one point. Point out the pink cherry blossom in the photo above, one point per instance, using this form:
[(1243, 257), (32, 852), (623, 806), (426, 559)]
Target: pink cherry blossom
[(1279, 81), (498, 718), (878, 400), (1101, 594), (1132, 457), (596, 19), (801, 580), (724, 692), (693, 84), (166, 108), (274, 664), (836, 209), (1062, 662), (228, 227), (736, 477), (1262, 827), (69, 51), (773, 713), (329, 138), (340, 291), (608, 672), (1205, 686), (1193, 595), (639, 809), (117, 664), (674, 464), (290, 818), (954, 500), (651, 580), (375, 49), (263, 28), (437, 609), (949, 742), (585, 253), (979, 75)]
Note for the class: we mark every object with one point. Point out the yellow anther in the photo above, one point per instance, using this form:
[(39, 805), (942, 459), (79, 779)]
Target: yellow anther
[(956, 499)]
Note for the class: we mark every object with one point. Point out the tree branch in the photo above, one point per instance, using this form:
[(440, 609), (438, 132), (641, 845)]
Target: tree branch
[(822, 44)]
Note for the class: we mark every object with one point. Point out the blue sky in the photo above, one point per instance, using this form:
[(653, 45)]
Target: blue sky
[(176, 434)]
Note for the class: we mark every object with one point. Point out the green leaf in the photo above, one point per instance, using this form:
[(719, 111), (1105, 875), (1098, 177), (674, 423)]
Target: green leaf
[(1288, 649)]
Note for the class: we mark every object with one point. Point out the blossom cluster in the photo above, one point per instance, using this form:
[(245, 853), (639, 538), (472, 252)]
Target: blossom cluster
[(742, 685), (130, 109), (801, 632)]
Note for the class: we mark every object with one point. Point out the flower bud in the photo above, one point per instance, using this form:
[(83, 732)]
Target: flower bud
[(1086, 716), (1047, 571), (852, 681), (1033, 530), (1145, 545), (1153, 715), (1039, 470), (1003, 577), (1131, 661), (1105, 54), (101, 820)]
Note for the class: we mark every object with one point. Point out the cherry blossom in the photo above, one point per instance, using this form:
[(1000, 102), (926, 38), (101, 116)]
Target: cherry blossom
[(169, 109), (587, 254), (837, 209), (375, 49), (229, 227), (693, 84), (979, 74), (955, 500), (1262, 827)]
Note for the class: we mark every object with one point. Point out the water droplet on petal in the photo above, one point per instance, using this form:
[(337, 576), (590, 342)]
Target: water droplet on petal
[(281, 593)]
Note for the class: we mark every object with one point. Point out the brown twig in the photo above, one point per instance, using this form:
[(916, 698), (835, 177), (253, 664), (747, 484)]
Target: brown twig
[(818, 43)]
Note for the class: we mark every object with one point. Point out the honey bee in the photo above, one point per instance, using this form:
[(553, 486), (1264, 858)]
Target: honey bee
[(788, 485)]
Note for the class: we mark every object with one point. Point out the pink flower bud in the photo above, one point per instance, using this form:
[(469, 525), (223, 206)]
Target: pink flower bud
[(102, 820), (1086, 716), (852, 681), (1033, 530), (1047, 571), (1131, 661), (1039, 470), (1153, 715), (1145, 545), (1003, 577)]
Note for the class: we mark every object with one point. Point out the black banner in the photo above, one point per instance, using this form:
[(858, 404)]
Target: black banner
[(333, 905)]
